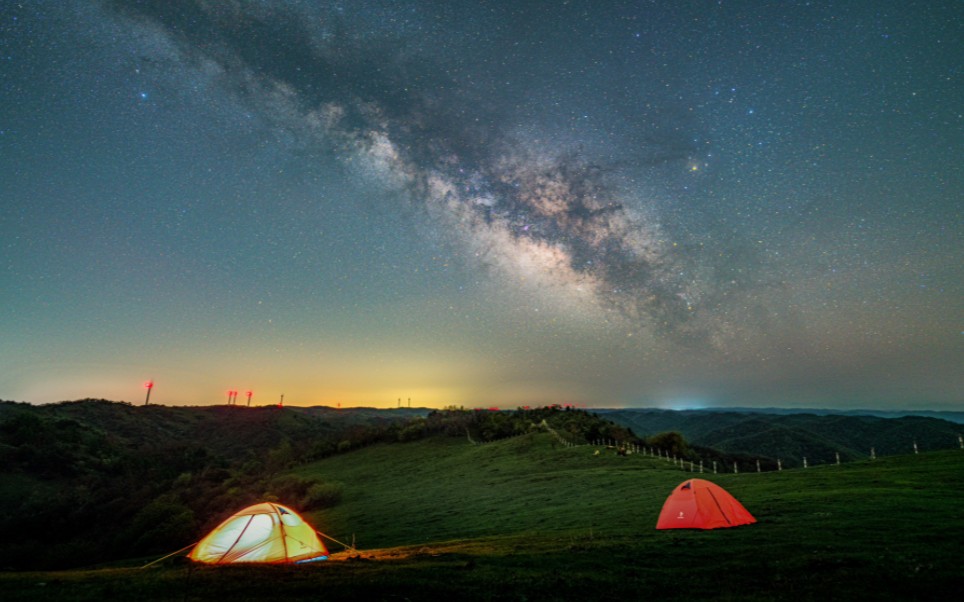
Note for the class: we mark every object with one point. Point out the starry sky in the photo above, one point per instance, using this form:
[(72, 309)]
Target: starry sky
[(483, 203)]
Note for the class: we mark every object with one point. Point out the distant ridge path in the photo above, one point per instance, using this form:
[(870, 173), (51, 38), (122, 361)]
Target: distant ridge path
[(546, 426)]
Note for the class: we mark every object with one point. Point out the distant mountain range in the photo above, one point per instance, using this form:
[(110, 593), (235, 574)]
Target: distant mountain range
[(793, 435), (943, 415)]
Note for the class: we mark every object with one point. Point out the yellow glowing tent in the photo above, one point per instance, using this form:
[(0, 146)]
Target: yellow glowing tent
[(265, 532)]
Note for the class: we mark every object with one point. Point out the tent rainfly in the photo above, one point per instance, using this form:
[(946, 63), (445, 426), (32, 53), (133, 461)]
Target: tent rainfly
[(699, 504), (265, 532)]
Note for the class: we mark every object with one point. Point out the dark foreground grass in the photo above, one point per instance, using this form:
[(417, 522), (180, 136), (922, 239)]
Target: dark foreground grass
[(523, 520)]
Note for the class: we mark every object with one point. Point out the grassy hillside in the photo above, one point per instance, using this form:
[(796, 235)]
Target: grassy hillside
[(103, 481), (528, 519)]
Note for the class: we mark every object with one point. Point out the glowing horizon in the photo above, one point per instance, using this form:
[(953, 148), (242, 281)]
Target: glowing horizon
[(379, 201)]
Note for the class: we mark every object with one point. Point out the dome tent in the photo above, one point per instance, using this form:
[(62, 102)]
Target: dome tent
[(699, 504), (265, 532)]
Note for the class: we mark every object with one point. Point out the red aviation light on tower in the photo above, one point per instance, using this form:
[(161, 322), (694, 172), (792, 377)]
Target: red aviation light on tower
[(148, 385), (249, 394)]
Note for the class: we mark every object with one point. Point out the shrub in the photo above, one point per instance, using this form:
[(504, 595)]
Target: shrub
[(672, 442), (289, 487), (412, 432), (322, 495), (162, 524)]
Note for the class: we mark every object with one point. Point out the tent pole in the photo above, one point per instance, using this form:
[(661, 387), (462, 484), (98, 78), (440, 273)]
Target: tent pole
[(169, 555)]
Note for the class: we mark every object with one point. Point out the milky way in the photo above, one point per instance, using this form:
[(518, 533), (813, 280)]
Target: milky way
[(545, 218), (507, 201)]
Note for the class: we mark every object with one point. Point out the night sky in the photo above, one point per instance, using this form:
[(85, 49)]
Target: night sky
[(483, 203)]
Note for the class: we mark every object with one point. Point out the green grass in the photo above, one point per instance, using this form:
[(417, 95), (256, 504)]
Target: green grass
[(523, 519), (445, 489)]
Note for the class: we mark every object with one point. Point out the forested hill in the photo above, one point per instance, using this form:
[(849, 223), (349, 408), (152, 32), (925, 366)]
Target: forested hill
[(792, 437), (58, 432), (104, 480)]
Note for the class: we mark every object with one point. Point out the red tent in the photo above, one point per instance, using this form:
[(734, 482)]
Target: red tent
[(699, 504)]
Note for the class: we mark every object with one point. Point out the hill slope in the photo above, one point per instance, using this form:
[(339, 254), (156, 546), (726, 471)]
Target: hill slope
[(526, 518)]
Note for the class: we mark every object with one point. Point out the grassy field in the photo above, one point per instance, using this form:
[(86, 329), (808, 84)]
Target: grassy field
[(528, 519)]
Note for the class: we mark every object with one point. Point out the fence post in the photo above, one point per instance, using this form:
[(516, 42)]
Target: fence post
[(758, 465), (838, 458), (701, 466), (915, 447), (804, 461), (714, 466), (736, 468), (779, 464), (873, 454)]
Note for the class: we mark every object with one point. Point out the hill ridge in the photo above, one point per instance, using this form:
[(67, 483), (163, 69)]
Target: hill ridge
[(791, 437)]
